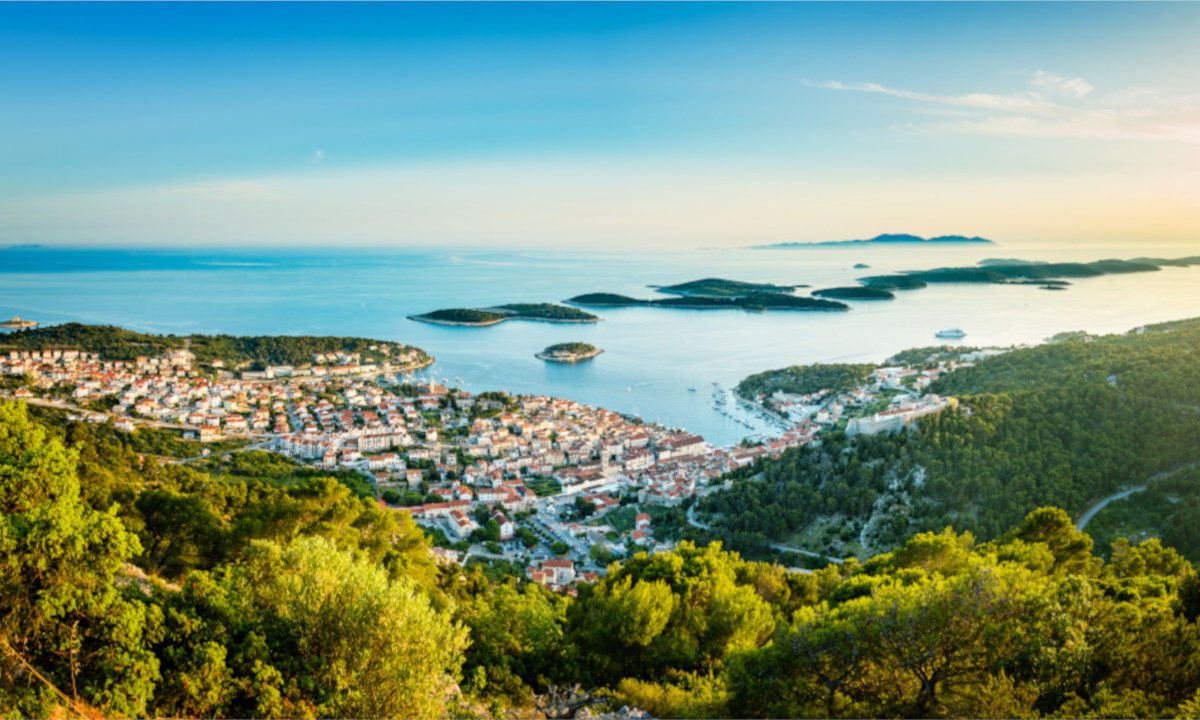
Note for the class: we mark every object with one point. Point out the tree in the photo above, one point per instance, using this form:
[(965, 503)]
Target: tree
[(305, 630), (1072, 549), (62, 614), (681, 611), (601, 555), (941, 631), (516, 640)]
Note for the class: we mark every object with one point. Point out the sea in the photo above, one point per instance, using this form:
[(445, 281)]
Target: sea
[(666, 366)]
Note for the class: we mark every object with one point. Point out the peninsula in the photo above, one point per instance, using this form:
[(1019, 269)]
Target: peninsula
[(482, 317), (570, 352), (886, 239)]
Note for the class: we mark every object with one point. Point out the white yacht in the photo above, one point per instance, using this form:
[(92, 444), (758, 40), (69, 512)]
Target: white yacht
[(951, 334)]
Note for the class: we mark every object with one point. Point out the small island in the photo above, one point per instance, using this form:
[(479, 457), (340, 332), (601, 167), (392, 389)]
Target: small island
[(753, 302), (18, 323), (720, 287), (855, 292), (570, 352), (482, 317), (893, 282)]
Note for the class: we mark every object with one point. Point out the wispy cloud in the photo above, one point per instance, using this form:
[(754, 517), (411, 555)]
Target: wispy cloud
[(1019, 102), (225, 190), (318, 156), (1055, 105)]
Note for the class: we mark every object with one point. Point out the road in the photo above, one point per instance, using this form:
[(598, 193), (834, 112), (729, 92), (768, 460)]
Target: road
[(691, 518), (257, 446), (1091, 511), (139, 421)]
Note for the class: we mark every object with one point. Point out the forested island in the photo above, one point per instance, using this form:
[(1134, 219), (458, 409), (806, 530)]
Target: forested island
[(1023, 272), (893, 282), (569, 352), (478, 317), (720, 287), (754, 302), (888, 239), (231, 351), (224, 590), (860, 292)]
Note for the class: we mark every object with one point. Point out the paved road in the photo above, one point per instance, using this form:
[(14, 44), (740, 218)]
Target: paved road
[(258, 446), (691, 518), (1091, 512), (138, 421)]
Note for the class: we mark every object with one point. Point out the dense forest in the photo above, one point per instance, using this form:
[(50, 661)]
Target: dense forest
[(1060, 424), (133, 588), (114, 343)]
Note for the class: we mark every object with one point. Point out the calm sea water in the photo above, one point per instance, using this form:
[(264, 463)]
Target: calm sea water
[(651, 357)]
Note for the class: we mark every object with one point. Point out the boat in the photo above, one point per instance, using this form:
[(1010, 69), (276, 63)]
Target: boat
[(691, 389), (952, 333)]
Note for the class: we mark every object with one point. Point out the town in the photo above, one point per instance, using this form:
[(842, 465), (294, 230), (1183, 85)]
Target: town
[(546, 484)]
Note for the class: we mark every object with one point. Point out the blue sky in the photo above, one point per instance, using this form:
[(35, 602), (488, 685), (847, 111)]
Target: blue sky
[(596, 124)]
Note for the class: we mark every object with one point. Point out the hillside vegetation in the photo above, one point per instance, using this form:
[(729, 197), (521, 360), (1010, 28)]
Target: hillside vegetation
[(805, 379), (131, 589), (1061, 424)]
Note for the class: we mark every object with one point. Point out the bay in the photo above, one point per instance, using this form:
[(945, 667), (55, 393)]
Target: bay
[(652, 357)]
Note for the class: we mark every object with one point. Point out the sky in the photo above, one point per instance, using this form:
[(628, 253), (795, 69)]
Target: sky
[(623, 125)]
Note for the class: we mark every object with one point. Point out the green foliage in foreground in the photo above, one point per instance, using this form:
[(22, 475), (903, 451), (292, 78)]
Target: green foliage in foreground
[(316, 619)]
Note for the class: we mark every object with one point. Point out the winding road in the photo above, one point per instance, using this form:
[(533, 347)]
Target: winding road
[(1091, 511), (691, 518)]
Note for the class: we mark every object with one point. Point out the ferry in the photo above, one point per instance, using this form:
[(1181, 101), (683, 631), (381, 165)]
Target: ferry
[(951, 334)]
